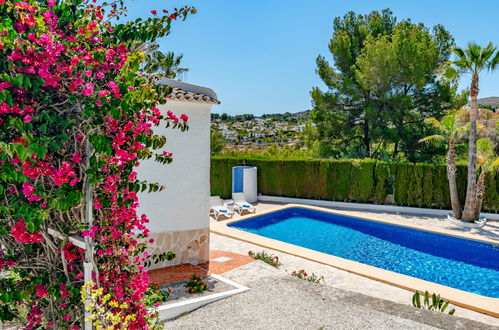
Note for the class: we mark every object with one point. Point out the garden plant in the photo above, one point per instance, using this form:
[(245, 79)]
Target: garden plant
[(266, 257), (76, 119), (302, 274), (196, 284), (435, 303)]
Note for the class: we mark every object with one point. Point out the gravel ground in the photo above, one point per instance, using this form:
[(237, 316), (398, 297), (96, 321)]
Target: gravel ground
[(291, 303)]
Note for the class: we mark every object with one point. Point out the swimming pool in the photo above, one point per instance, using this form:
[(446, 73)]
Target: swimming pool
[(459, 263)]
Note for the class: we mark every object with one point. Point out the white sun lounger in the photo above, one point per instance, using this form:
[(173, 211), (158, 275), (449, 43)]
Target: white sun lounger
[(241, 205), (218, 208)]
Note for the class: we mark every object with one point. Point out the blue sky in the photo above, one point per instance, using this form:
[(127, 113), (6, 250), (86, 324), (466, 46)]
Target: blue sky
[(259, 55)]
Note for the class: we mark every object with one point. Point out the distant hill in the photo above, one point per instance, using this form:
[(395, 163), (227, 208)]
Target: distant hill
[(492, 101)]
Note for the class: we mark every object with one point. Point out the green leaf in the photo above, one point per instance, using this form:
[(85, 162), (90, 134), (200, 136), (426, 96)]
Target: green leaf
[(17, 81), (27, 83), (427, 298), (9, 100), (4, 297), (31, 227)]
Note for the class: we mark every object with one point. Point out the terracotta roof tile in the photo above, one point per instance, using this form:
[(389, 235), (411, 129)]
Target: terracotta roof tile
[(180, 94)]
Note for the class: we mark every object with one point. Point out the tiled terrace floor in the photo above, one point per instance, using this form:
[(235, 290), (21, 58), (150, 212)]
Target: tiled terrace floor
[(219, 263)]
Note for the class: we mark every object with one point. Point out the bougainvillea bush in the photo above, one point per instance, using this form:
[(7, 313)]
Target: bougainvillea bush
[(76, 118)]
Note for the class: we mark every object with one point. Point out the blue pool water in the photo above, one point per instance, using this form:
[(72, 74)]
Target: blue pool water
[(459, 263)]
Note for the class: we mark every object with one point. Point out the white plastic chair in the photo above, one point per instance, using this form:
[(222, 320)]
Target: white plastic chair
[(218, 208), (241, 205)]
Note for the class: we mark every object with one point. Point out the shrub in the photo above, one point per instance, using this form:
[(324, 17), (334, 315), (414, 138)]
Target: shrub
[(366, 181), (427, 198), (196, 284), (382, 182), (155, 296), (265, 257), (76, 117), (362, 180)]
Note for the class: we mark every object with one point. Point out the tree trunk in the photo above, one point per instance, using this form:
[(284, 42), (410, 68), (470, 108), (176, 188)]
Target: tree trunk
[(395, 150), (480, 193), (470, 205), (367, 140), (451, 176)]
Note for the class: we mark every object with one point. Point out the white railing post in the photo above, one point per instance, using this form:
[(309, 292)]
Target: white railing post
[(89, 251)]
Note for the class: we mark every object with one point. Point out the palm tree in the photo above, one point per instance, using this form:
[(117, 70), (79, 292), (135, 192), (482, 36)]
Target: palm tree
[(451, 128), (166, 64), (487, 159), (473, 60)]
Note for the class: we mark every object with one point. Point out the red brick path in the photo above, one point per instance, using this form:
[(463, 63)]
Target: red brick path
[(182, 272)]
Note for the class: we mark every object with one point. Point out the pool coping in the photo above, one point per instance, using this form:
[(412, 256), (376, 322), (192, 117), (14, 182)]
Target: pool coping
[(486, 305)]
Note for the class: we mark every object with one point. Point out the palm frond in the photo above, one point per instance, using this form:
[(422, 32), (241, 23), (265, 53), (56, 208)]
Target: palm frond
[(494, 63), (433, 137), (495, 162), (433, 121), (460, 53), (475, 58)]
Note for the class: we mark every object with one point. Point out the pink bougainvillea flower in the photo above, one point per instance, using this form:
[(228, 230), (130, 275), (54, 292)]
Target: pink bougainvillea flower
[(27, 119), (88, 90), (88, 232), (28, 189), (41, 290), (21, 234), (104, 93), (74, 182), (97, 204), (184, 118), (154, 12), (132, 176), (76, 157), (34, 198), (5, 84)]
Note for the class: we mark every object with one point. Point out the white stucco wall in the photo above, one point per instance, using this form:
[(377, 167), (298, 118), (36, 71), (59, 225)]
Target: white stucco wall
[(184, 204)]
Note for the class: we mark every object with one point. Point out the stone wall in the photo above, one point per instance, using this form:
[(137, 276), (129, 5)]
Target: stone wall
[(189, 246)]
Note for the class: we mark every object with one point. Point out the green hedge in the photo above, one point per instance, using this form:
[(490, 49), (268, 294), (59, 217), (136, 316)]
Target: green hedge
[(364, 181)]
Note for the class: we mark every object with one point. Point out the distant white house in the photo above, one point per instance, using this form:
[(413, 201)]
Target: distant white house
[(179, 215)]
